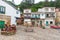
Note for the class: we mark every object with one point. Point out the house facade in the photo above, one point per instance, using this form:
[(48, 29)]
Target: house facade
[(27, 16), (45, 16), (9, 12), (57, 15), (50, 16)]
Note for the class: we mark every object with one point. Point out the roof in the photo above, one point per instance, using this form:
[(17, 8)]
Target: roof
[(10, 3)]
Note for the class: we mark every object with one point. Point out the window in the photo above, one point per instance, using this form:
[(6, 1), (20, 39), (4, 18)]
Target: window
[(29, 15), (17, 12), (47, 15), (47, 23), (38, 15), (52, 9), (53, 14), (25, 15), (51, 22), (33, 15), (27, 11), (2, 9), (42, 14)]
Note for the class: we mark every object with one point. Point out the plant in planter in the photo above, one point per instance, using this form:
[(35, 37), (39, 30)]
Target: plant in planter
[(43, 27)]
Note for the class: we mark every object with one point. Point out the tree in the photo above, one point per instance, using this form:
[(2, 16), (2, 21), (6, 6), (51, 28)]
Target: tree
[(52, 3), (34, 7), (57, 3), (24, 5)]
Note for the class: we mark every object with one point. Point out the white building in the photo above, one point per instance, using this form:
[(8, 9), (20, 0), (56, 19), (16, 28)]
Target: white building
[(45, 16), (50, 15), (27, 16), (10, 10)]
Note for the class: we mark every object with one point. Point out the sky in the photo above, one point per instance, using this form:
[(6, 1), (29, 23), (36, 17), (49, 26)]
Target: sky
[(19, 1)]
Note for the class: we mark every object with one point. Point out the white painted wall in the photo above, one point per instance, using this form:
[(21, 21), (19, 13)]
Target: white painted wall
[(49, 9), (10, 11), (27, 20), (40, 10), (27, 10)]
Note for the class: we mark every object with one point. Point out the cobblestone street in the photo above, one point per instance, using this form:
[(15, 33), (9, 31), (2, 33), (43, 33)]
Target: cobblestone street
[(38, 34)]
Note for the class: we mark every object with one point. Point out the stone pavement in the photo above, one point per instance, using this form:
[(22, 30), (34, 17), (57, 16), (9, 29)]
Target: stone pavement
[(38, 34)]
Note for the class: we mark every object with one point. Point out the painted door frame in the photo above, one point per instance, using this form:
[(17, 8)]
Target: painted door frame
[(47, 23)]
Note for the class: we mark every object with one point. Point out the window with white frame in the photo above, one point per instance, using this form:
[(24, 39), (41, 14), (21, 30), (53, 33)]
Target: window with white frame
[(53, 14), (33, 15), (42, 14), (38, 15), (52, 9), (2, 9)]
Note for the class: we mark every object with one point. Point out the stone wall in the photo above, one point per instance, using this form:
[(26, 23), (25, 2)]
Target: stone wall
[(5, 18)]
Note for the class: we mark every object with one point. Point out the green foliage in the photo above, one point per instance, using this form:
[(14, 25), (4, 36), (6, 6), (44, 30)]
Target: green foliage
[(24, 5), (34, 7), (43, 27)]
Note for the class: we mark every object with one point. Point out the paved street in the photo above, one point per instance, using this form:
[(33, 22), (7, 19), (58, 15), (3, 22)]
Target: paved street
[(38, 34)]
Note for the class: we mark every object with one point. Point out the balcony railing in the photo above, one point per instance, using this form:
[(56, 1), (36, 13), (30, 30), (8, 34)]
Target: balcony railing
[(27, 17), (35, 17), (50, 17)]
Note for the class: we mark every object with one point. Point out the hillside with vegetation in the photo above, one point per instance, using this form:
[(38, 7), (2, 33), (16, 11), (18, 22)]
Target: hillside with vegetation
[(34, 7)]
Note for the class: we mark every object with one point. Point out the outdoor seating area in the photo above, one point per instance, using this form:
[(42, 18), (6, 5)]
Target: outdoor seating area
[(8, 30)]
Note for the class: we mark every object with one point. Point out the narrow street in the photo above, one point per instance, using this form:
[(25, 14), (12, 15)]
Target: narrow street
[(38, 34)]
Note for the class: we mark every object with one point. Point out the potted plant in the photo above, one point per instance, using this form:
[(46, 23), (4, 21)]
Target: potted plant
[(43, 27)]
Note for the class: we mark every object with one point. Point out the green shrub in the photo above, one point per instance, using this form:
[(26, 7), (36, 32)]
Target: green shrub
[(43, 27)]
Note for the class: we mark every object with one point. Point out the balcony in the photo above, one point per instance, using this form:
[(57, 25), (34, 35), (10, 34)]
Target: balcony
[(27, 17), (50, 17), (35, 17)]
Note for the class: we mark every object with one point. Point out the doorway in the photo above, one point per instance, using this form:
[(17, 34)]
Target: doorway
[(47, 23), (40, 23)]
